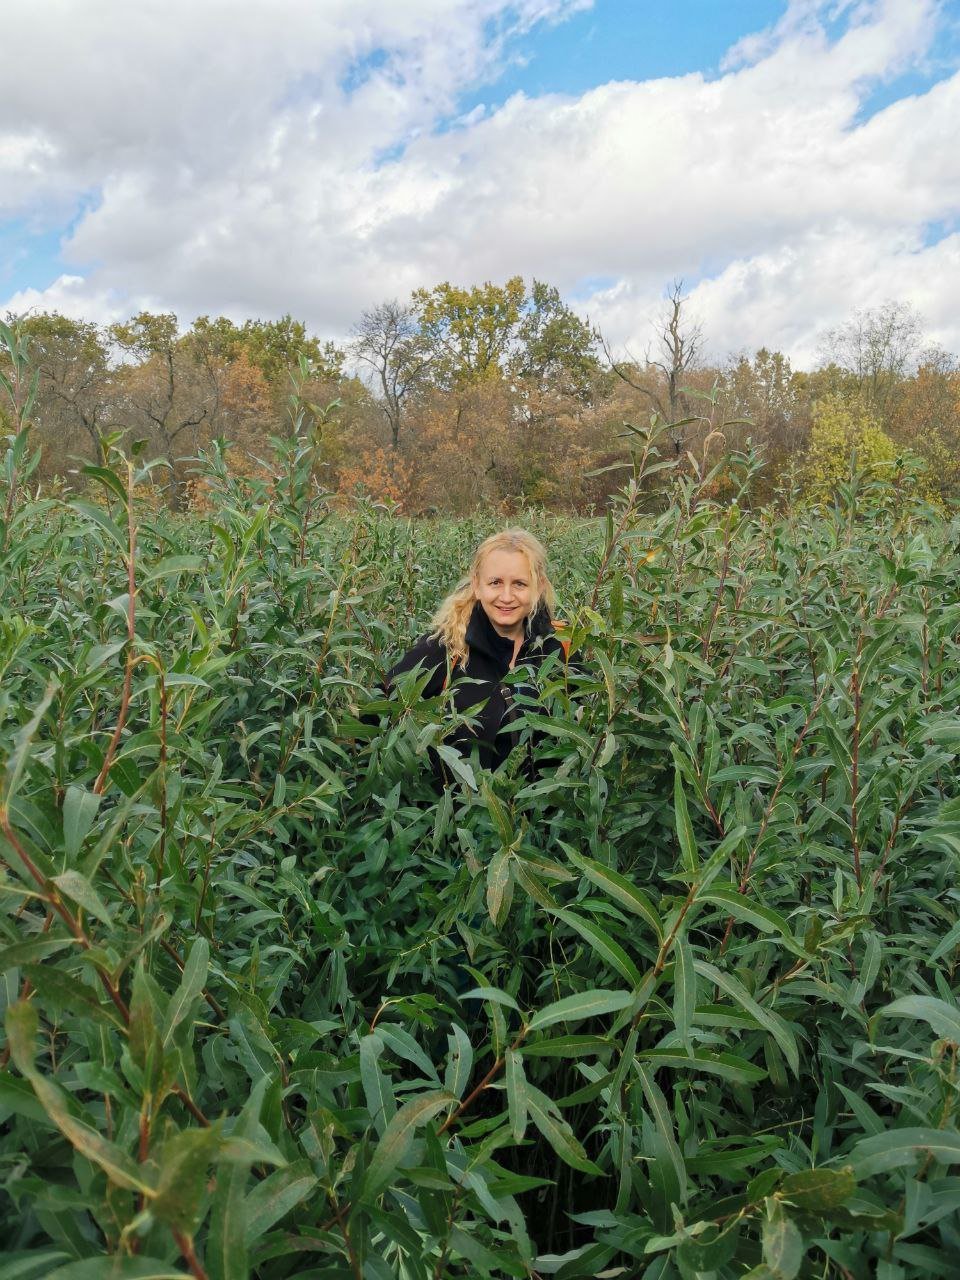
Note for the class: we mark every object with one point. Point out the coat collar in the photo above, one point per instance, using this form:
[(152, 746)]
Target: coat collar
[(482, 638)]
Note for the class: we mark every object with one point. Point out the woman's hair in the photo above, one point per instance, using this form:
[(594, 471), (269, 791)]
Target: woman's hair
[(450, 620)]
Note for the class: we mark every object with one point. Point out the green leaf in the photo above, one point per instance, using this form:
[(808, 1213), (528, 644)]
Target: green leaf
[(118, 1269), (377, 1088), (765, 1018), (172, 565), (398, 1136), (184, 1160), (225, 1257), (79, 810), (30, 1264), (100, 518), (21, 1027), (274, 1197), (782, 1243), (943, 1019), (493, 994), (611, 952), (110, 481), (585, 1004), (461, 769), (725, 1065), (819, 1189), (545, 1115), (746, 909), (620, 889), (688, 844), (191, 987), (516, 1094), (895, 1148), (684, 990), (498, 878), (79, 888), (23, 745), (459, 1062)]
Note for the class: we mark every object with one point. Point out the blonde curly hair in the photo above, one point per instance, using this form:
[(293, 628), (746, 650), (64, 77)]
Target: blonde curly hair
[(451, 619)]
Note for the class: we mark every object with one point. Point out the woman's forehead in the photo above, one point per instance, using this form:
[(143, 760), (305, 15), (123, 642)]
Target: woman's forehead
[(505, 564)]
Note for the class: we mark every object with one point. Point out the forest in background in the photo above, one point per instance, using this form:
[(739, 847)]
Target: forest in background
[(493, 394)]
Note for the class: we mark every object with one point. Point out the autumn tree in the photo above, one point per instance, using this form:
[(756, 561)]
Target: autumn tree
[(923, 413), (76, 384), (169, 392)]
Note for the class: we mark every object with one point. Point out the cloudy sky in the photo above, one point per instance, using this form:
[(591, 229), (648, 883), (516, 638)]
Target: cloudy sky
[(791, 160)]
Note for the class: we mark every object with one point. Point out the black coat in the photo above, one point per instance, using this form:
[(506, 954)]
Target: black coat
[(478, 687)]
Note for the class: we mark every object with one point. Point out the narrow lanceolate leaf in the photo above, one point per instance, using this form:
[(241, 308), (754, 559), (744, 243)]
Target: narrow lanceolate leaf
[(620, 889), (746, 909), (782, 1243), (500, 814), (274, 1197), (819, 1189), (609, 950), (22, 747), (79, 810), (225, 1257), (117, 1268), (120, 1168), (685, 836), (77, 887), (190, 988), (726, 1065), (516, 1094), (897, 1147), (684, 990), (459, 1062), (546, 1116), (398, 1137), (184, 1161), (377, 1088), (764, 1017), (585, 1004), (942, 1018), (498, 877)]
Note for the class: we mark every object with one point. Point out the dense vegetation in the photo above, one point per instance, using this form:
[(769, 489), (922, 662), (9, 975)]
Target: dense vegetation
[(495, 393), (668, 995)]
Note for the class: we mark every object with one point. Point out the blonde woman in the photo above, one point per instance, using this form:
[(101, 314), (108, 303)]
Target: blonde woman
[(497, 620)]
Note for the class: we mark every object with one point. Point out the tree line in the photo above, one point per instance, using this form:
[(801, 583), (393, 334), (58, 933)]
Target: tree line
[(493, 393)]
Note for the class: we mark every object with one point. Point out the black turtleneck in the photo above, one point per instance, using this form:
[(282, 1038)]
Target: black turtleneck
[(477, 685)]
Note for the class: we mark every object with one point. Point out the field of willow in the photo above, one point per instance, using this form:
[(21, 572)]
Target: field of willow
[(671, 994)]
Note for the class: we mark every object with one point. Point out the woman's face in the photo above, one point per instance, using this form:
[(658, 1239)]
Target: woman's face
[(505, 591)]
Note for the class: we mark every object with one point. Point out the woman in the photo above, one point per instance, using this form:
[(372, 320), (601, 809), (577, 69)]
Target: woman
[(497, 620)]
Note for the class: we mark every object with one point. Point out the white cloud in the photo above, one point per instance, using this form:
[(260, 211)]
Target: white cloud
[(235, 172)]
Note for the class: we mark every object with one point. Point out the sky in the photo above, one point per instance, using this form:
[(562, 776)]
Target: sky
[(791, 161)]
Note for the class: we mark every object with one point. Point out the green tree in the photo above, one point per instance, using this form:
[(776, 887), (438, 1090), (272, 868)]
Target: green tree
[(469, 332), (841, 429), (274, 346), (555, 347)]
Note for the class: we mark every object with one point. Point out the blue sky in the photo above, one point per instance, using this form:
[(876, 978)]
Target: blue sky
[(336, 152)]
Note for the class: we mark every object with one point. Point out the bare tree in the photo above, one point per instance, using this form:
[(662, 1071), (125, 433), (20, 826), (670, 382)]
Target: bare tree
[(674, 353), (389, 340), (878, 347)]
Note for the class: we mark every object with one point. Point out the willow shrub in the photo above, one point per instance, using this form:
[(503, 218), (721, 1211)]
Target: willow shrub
[(669, 995)]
